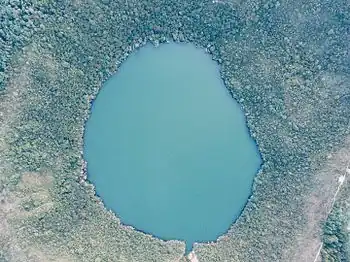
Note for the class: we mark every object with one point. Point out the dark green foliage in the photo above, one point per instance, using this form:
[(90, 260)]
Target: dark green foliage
[(336, 237), (286, 63)]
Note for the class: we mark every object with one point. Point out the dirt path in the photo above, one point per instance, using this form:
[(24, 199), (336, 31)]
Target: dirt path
[(319, 202), (192, 257), (341, 181)]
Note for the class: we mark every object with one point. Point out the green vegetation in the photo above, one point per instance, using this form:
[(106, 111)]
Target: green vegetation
[(336, 244), (285, 62), (335, 237)]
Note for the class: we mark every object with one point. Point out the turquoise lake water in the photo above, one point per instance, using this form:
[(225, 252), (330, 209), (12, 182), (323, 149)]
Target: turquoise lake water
[(167, 147)]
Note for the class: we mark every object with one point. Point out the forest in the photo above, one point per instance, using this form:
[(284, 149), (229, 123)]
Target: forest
[(285, 62)]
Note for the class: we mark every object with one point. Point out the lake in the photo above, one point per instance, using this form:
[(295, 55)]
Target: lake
[(167, 147)]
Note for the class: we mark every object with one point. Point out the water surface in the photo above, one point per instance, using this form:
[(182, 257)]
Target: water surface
[(168, 148)]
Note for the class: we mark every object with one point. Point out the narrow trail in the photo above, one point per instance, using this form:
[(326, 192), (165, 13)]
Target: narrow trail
[(341, 181)]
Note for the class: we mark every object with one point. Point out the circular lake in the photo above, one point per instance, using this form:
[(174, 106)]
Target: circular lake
[(167, 147)]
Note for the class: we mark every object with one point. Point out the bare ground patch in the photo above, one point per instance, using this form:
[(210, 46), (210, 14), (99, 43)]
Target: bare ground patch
[(319, 204), (31, 195), (32, 187)]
